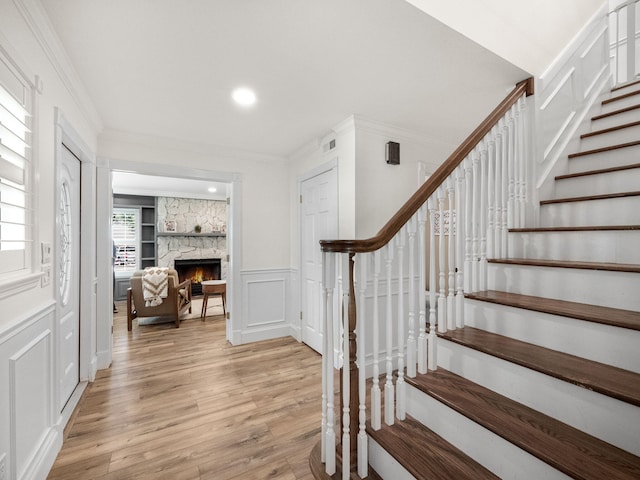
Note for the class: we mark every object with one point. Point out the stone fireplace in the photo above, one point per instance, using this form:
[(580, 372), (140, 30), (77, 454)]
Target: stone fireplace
[(198, 270)]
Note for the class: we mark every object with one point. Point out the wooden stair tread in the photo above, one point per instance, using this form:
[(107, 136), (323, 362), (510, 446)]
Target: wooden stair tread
[(598, 171), (604, 149), (616, 112), (620, 97), (565, 448), (613, 267), (591, 313), (317, 467), (625, 85), (614, 382), (425, 454), (610, 129), (587, 198), (590, 228)]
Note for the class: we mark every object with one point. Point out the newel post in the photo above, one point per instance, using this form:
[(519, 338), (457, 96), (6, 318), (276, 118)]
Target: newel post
[(350, 376)]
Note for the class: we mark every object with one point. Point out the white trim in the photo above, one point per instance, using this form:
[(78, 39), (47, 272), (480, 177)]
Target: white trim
[(36, 18), (12, 286)]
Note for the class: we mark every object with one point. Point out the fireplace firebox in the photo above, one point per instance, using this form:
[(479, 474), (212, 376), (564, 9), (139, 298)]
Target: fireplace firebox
[(198, 270)]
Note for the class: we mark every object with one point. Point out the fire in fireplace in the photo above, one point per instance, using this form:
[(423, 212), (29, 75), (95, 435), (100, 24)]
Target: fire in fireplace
[(198, 270)]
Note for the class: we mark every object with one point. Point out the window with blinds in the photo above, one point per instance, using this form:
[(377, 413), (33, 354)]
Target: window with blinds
[(15, 162), (124, 231)]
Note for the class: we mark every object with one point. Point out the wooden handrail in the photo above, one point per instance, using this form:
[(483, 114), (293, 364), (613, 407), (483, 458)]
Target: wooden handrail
[(412, 205)]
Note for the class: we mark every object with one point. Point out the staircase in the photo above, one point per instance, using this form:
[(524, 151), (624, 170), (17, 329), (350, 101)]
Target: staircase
[(543, 381)]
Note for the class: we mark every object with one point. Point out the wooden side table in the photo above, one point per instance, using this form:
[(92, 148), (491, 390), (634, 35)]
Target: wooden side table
[(214, 287)]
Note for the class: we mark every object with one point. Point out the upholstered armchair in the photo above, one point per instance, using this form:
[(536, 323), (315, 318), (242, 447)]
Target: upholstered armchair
[(177, 302)]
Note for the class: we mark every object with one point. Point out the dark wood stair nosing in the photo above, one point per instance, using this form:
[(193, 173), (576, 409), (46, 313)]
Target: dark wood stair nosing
[(591, 228), (615, 112), (424, 453), (625, 85), (588, 198), (613, 317), (604, 266), (598, 171), (604, 131), (620, 97), (604, 149), (613, 382), (562, 446)]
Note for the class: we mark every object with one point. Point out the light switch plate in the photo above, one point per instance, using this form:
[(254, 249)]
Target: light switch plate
[(45, 280), (46, 252)]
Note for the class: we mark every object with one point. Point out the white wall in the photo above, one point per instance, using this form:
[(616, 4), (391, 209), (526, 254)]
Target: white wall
[(30, 425), (523, 32), (381, 189)]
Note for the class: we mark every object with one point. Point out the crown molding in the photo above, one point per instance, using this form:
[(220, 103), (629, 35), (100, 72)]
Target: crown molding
[(38, 21), (153, 141)]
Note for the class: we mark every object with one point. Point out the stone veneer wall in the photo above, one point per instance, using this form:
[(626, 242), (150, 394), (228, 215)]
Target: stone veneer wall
[(187, 213)]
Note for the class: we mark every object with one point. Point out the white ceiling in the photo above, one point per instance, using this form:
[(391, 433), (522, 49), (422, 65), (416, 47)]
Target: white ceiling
[(166, 68), (128, 183)]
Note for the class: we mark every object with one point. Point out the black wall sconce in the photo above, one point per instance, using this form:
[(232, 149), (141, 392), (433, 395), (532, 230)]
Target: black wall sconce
[(392, 153)]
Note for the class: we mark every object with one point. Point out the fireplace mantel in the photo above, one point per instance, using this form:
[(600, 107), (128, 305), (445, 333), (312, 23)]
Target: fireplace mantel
[(192, 234)]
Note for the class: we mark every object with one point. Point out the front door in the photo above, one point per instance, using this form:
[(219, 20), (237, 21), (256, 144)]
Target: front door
[(68, 270), (319, 221)]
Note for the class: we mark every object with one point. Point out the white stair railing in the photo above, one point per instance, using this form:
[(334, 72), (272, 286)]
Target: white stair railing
[(464, 209)]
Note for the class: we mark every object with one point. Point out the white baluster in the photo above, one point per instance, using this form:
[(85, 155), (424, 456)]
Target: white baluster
[(329, 281), (442, 299), (523, 161), (459, 234), (491, 207), (363, 460), (411, 339), (482, 271), (431, 341), (400, 383), (451, 264), (504, 187), (475, 223), (516, 167), (497, 242), (389, 393), (511, 170), (422, 288), (376, 404), (468, 224), (346, 373)]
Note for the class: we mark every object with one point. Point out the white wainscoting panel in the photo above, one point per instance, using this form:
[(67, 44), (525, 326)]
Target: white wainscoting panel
[(266, 304), (566, 97), (28, 433)]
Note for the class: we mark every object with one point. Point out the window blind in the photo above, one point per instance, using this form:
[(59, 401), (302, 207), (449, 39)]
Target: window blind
[(15, 156), (124, 231)]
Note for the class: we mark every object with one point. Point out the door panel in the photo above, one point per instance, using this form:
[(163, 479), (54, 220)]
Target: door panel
[(68, 268), (319, 221)]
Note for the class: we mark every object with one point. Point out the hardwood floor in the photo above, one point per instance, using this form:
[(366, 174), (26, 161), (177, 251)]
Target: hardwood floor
[(184, 404)]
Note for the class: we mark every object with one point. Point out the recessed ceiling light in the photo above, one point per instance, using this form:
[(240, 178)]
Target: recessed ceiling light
[(212, 189), (244, 96)]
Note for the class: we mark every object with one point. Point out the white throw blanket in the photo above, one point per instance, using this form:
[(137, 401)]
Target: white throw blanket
[(155, 281)]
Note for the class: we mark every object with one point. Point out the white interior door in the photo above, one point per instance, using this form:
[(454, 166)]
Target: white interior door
[(68, 269), (318, 221)]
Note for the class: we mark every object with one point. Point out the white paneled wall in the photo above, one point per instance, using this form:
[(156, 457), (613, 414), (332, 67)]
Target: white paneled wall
[(565, 94), (29, 436)]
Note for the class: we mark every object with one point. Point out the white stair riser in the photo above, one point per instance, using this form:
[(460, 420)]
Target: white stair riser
[(622, 90), (595, 287), (610, 182), (620, 103), (601, 212), (615, 120), (488, 449), (569, 335), (616, 137), (603, 417), (384, 464), (592, 246), (610, 158)]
